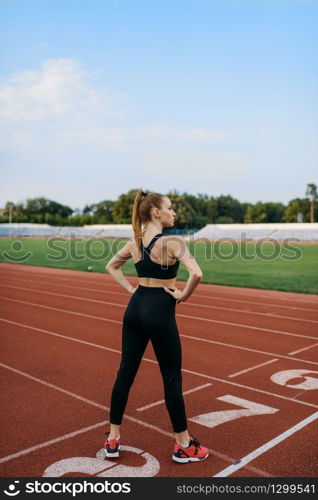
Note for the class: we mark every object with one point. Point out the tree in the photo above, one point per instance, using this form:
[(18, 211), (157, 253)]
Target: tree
[(297, 205), (255, 213), (229, 207), (311, 192), (223, 219), (123, 207), (212, 209), (198, 204), (9, 209), (245, 207), (185, 213), (13, 212), (264, 212), (192, 211), (103, 212), (274, 211), (78, 220), (36, 209), (88, 209)]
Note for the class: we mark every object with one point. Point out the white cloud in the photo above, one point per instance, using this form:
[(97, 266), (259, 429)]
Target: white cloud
[(58, 107), (101, 137), (136, 138), (57, 123), (60, 88)]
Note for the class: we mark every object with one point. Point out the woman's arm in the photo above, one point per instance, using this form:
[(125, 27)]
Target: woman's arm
[(179, 249), (113, 267)]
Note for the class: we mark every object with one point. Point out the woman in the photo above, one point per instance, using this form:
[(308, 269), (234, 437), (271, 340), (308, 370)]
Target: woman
[(150, 314)]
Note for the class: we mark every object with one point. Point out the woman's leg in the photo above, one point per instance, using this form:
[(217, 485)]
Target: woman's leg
[(167, 348), (164, 335), (182, 438), (114, 431), (134, 343)]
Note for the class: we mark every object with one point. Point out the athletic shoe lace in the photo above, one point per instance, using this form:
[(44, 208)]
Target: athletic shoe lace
[(196, 444)]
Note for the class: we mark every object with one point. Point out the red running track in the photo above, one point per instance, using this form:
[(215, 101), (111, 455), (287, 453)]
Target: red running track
[(249, 380)]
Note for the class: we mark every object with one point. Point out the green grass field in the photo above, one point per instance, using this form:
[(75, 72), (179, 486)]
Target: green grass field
[(288, 267)]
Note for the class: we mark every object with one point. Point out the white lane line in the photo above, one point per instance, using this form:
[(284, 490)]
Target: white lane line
[(240, 291), (239, 325), (199, 339), (303, 349), (77, 287), (194, 304), (185, 370), (196, 295), (162, 400), (266, 353), (248, 312), (52, 386), (77, 297), (62, 310), (252, 368), (26, 451), (261, 391), (125, 416), (267, 446), (269, 304), (73, 339), (105, 279)]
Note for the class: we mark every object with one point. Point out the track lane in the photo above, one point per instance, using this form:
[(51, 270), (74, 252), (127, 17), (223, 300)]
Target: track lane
[(76, 377), (20, 341)]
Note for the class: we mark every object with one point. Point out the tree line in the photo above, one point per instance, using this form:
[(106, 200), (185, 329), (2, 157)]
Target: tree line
[(193, 211)]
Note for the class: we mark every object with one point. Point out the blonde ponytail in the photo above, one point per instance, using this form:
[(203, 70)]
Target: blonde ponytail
[(136, 218), (143, 203)]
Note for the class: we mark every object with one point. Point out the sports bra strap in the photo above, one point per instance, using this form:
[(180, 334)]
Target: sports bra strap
[(153, 241)]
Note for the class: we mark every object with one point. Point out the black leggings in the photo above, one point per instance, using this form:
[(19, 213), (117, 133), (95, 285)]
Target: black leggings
[(150, 314)]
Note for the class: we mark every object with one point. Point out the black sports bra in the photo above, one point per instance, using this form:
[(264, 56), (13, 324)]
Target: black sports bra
[(147, 268)]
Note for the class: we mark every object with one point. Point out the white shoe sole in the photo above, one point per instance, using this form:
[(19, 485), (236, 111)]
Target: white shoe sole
[(188, 459), (112, 455)]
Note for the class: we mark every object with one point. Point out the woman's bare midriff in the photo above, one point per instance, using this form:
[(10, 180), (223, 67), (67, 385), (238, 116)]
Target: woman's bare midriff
[(156, 282)]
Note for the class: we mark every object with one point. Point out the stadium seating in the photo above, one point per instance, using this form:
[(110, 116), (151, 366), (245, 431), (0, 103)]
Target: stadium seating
[(255, 232), (237, 232)]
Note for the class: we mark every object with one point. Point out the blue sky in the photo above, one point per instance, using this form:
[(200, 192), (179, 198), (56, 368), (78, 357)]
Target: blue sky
[(204, 96)]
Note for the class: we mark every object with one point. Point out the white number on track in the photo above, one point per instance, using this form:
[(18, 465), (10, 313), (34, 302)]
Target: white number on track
[(215, 418), (102, 467), (309, 384)]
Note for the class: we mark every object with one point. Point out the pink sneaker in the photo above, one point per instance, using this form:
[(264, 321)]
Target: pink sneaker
[(111, 447), (194, 453)]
